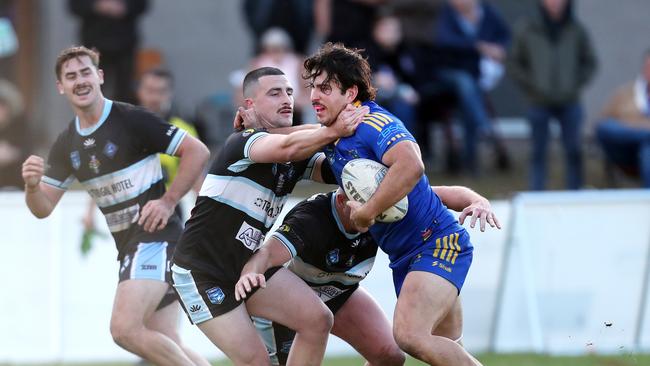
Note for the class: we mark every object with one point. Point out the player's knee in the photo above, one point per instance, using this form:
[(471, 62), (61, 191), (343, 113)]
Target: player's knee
[(407, 339), (324, 321), (389, 355), (124, 334), (319, 322)]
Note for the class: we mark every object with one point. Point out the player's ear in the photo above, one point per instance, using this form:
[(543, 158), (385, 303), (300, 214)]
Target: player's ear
[(248, 103), (100, 73), (341, 198), (351, 93), (59, 87)]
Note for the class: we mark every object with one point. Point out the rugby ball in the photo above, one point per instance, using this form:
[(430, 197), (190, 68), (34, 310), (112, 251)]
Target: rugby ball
[(360, 179)]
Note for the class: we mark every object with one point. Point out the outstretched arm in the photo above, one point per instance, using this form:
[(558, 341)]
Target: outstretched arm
[(272, 254), (468, 203), (304, 143)]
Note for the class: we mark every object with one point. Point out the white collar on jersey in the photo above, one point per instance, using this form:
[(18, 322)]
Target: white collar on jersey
[(335, 213), (108, 104)]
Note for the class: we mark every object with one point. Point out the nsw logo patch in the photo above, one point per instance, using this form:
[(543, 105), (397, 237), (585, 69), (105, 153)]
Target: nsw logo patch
[(215, 295), (75, 159)]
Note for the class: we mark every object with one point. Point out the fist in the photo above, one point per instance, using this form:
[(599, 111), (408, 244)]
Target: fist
[(33, 169)]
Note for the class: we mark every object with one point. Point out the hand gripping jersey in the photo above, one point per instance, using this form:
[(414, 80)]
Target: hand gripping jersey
[(116, 161), (427, 218), (325, 256), (238, 203)]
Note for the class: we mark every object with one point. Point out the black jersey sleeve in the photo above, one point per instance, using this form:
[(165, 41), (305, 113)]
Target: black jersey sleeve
[(236, 150), (302, 230), (154, 135), (61, 162), (326, 173)]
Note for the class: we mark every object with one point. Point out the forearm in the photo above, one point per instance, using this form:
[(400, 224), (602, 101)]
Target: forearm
[(458, 197), (288, 130), (271, 254), (301, 145), (190, 170), (37, 202), (400, 179)]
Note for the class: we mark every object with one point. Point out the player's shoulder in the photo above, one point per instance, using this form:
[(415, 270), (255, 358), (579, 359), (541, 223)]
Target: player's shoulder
[(129, 110), (378, 118), (67, 135), (243, 135), (312, 208)]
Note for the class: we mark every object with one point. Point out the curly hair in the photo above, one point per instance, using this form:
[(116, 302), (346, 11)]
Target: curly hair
[(346, 66)]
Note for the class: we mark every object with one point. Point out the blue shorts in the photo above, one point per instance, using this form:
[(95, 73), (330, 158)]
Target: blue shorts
[(448, 256)]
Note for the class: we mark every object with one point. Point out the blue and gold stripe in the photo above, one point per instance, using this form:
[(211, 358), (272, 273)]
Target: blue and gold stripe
[(447, 248)]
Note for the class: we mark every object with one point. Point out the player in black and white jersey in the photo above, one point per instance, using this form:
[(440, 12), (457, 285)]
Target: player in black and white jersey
[(318, 241), (240, 199), (111, 149)]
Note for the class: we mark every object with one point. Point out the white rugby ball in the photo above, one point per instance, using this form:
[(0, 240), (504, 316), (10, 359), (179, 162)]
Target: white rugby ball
[(361, 177)]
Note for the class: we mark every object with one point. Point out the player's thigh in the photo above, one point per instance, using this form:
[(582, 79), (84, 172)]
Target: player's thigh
[(424, 301), (362, 323), (165, 320), (235, 335), (143, 275), (451, 326), (288, 300), (136, 300)]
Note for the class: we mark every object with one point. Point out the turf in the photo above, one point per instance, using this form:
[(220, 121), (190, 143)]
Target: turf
[(486, 359)]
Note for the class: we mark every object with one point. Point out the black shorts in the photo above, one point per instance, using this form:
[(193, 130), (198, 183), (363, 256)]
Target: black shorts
[(279, 338), (205, 297)]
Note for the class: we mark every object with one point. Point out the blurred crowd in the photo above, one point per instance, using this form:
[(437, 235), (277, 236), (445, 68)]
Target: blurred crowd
[(436, 64)]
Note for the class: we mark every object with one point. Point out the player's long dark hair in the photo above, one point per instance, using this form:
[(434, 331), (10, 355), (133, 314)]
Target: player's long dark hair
[(346, 66)]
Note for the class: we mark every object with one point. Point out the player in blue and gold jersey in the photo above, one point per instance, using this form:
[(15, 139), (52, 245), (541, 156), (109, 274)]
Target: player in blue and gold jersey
[(430, 252), (322, 247)]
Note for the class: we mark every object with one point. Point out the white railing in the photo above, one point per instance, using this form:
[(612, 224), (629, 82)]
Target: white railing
[(567, 274)]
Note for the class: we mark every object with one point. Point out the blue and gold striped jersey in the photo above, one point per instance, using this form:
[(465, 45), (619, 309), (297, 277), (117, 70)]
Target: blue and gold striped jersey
[(426, 217)]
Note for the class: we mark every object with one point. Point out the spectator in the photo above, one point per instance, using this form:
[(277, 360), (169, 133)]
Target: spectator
[(214, 114), (624, 132), (346, 21), (155, 93), (552, 60), (110, 26), (8, 40), (393, 68), (294, 16), (13, 136), (277, 51), (471, 34)]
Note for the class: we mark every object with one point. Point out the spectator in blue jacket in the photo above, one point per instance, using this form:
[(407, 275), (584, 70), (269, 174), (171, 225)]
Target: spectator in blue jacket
[(472, 38)]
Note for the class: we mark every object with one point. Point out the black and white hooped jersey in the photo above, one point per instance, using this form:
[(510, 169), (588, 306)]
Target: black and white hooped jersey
[(117, 162), (238, 203), (324, 255)]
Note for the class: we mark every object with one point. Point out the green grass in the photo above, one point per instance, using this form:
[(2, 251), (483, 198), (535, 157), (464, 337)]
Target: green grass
[(487, 360), (518, 360)]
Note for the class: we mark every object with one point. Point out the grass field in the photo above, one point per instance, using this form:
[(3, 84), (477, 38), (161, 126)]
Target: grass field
[(487, 359)]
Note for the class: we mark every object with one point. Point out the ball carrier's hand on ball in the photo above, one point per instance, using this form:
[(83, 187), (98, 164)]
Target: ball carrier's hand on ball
[(359, 218)]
